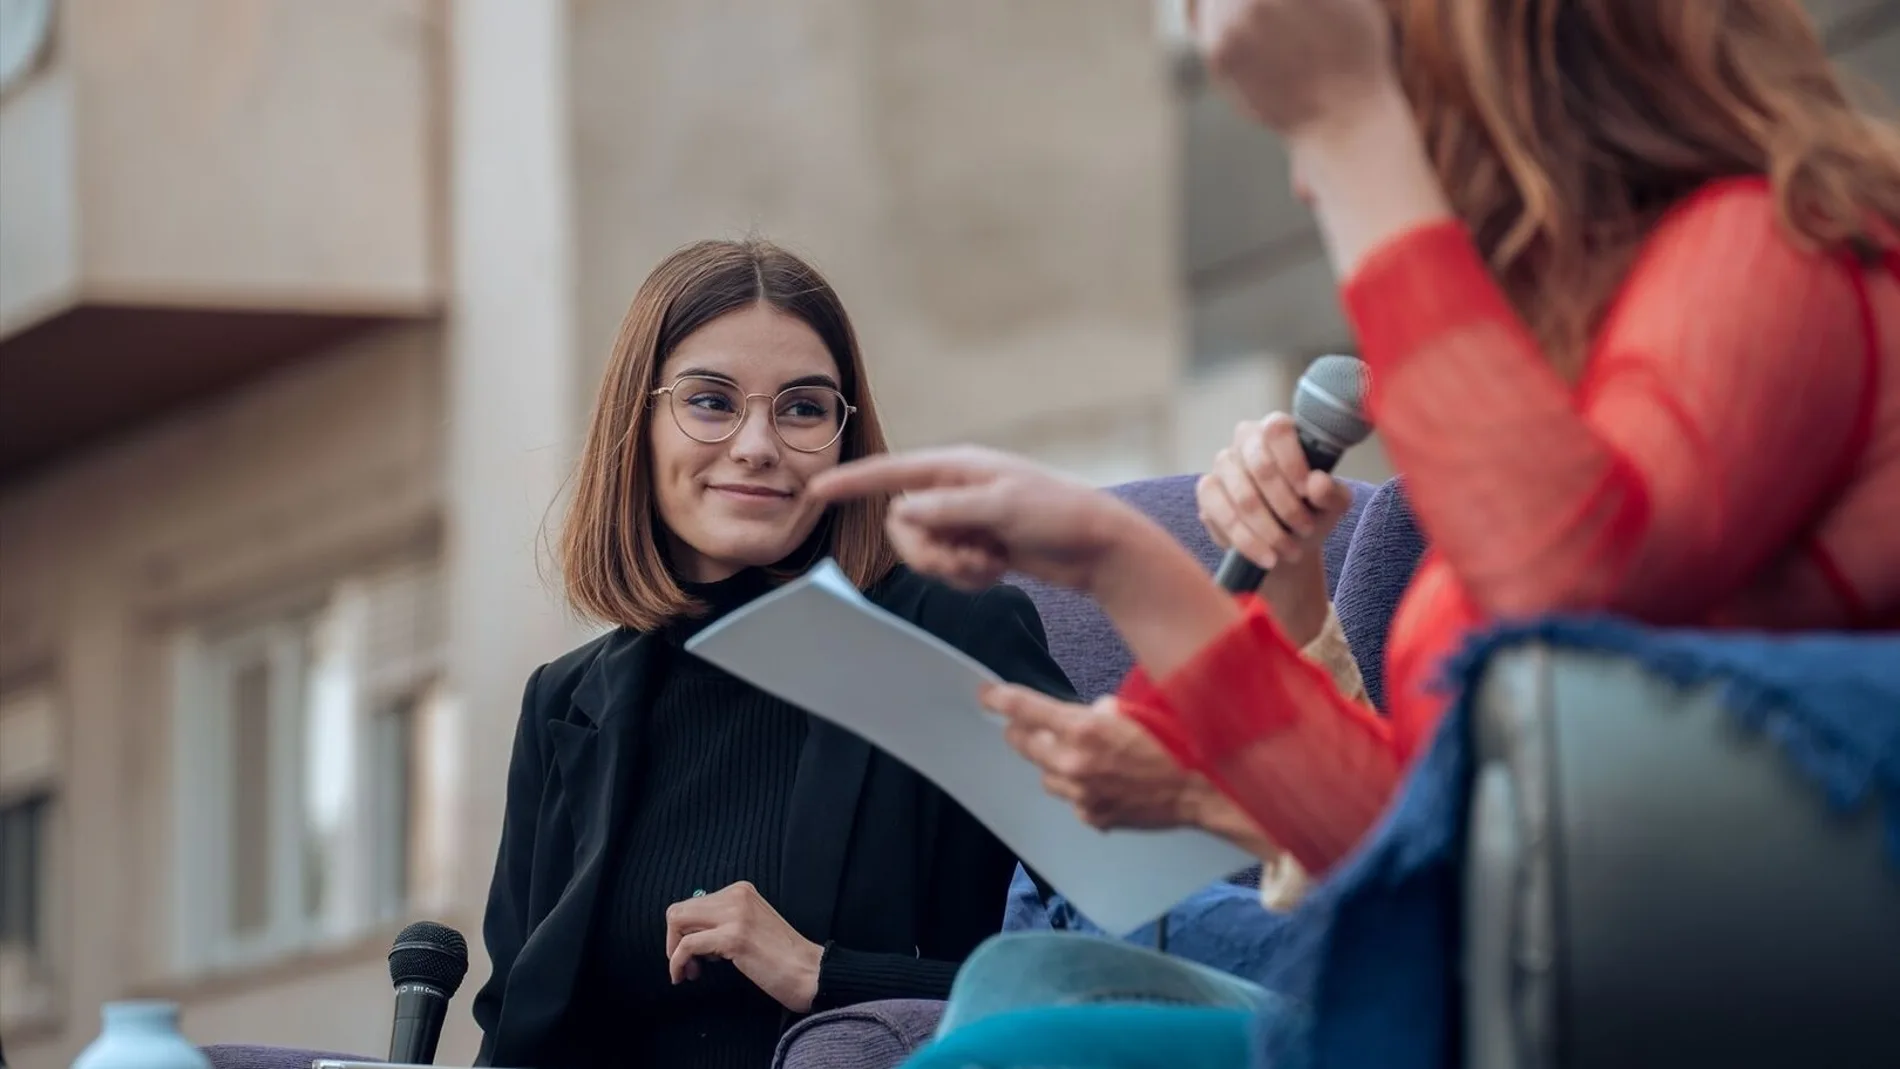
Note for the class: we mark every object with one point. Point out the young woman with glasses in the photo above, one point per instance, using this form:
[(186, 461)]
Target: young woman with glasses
[(687, 862)]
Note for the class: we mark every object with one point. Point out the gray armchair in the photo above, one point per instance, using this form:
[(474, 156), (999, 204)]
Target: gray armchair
[(1649, 885)]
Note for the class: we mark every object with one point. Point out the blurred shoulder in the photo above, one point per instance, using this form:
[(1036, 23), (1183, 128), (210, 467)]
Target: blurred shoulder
[(1744, 210), (1724, 263)]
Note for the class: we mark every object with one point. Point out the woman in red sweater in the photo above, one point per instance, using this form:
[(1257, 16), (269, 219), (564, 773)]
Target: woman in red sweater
[(1623, 272)]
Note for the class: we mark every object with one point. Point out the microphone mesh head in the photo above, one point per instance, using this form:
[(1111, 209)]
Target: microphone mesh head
[(1331, 400), (429, 953)]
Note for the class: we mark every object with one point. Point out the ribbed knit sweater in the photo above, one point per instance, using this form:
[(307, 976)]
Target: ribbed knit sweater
[(706, 809)]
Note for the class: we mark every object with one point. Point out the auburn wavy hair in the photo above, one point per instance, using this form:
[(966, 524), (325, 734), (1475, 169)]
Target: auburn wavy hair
[(612, 556), (1563, 129)]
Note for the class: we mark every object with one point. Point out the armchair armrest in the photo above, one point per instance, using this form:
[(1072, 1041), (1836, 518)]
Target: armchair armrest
[(1647, 884), (870, 1035), (253, 1056)]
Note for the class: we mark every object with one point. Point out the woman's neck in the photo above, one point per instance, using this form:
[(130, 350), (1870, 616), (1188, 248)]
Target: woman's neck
[(718, 598)]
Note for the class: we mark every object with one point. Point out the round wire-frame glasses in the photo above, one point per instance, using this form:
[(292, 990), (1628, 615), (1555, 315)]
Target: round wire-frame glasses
[(807, 418)]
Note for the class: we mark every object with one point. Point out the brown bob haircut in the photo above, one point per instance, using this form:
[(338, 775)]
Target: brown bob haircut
[(613, 558), (1562, 130)]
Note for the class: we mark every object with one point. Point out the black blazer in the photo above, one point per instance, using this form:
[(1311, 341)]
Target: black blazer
[(876, 858)]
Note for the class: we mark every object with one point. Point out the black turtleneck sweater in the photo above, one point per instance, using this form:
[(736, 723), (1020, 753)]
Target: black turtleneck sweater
[(706, 810)]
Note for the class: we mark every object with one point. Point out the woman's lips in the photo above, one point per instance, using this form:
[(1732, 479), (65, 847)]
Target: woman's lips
[(751, 493)]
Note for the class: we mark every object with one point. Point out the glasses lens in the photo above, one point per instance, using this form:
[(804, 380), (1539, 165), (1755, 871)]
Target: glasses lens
[(809, 418), (707, 410)]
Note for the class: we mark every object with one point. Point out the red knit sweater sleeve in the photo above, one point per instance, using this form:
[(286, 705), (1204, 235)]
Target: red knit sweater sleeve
[(1723, 400)]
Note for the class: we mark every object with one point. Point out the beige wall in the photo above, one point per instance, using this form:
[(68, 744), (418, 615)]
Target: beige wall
[(990, 184), (329, 466)]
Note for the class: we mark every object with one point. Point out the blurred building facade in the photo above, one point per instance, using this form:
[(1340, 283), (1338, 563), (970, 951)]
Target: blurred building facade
[(302, 307)]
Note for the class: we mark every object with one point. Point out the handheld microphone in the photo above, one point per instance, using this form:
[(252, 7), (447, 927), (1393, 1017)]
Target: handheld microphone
[(1329, 412), (427, 964)]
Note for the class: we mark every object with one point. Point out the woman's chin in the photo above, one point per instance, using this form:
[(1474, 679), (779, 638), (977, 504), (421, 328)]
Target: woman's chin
[(737, 558), (741, 545)]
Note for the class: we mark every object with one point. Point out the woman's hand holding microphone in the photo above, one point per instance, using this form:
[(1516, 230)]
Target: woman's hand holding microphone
[(1262, 499)]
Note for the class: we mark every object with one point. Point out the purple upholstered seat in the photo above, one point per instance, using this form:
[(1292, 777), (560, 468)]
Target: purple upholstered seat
[(1081, 638), (1385, 551), (871, 1035)]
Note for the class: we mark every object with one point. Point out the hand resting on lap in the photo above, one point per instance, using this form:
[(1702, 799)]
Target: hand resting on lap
[(737, 923)]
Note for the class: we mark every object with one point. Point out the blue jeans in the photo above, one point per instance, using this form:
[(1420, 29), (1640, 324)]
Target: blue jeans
[(1053, 999)]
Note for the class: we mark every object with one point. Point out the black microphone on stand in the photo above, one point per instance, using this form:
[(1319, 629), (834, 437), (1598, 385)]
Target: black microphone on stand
[(427, 964), (1329, 412)]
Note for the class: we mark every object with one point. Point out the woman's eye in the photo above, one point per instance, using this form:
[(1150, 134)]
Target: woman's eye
[(712, 402), (806, 406)]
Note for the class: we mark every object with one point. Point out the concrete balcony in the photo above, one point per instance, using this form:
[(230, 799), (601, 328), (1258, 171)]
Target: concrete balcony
[(193, 192)]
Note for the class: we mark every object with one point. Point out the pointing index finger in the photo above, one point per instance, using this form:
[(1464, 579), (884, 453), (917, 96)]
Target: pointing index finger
[(892, 473)]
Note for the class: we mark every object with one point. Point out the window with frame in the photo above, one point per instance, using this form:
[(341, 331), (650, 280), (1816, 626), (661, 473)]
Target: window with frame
[(29, 779), (22, 872), (300, 785)]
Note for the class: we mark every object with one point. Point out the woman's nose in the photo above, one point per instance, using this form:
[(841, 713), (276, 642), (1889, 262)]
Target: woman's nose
[(756, 444)]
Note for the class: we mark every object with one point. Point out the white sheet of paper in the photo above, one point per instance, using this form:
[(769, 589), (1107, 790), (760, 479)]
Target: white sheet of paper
[(818, 643)]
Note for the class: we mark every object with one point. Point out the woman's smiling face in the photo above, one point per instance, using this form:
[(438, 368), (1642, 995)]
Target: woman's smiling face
[(741, 502)]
